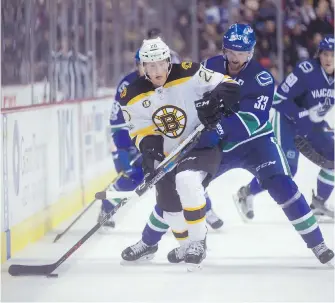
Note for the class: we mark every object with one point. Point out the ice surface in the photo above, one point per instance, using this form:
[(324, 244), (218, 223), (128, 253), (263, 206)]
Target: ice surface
[(263, 261)]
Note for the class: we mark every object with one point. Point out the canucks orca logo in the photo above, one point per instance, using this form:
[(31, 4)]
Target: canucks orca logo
[(170, 120), (264, 78)]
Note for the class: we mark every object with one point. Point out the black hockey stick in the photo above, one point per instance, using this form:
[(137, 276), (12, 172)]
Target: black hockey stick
[(164, 167), (119, 175), (306, 148), (167, 165)]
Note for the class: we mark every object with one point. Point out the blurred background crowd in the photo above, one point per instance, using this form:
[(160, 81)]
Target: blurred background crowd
[(43, 39)]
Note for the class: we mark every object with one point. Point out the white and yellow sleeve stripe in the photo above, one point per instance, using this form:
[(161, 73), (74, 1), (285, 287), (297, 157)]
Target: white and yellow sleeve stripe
[(138, 135)]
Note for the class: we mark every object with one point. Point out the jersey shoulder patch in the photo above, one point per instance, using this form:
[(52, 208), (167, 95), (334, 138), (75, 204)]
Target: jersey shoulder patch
[(135, 91), (264, 78), (305, 66), (183, 70), (122, 86)]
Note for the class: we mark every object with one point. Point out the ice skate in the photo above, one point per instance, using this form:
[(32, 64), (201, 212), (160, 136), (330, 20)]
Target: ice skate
[(213, 220), (320, 210), (195, 254), (244, 203), (139, 252), (177, 255), (108, 226), (324, 254)]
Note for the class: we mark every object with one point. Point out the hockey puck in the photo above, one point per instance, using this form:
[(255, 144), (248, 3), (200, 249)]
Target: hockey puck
[(52, 276)]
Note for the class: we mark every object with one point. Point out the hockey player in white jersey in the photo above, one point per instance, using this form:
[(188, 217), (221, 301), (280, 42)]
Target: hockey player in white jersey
[(160, 107)]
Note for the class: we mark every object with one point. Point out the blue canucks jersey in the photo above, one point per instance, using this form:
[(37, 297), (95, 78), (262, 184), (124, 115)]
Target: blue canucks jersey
[(257, 90), (307, 91), (121, 136)]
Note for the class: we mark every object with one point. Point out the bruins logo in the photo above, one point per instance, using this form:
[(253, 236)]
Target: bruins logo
[(186, 65), (123, 93), (170, 120)]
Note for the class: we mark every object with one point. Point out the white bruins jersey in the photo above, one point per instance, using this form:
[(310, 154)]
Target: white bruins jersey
[(169, 110)]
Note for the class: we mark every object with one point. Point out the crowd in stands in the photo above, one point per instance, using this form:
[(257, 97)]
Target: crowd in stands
[(26, 31)]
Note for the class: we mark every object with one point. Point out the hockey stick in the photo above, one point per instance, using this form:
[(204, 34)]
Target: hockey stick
[(164, 167), (120, 174), (306, 148), (167, 165)]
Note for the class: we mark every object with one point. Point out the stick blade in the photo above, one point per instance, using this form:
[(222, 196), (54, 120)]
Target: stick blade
[(57, 238), (31, 270)]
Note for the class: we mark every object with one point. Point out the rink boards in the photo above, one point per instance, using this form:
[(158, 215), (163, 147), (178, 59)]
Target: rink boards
[(55, 157)]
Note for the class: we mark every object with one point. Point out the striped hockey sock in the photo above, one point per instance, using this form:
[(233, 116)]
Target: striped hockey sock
[(325, 184), (155, 228)]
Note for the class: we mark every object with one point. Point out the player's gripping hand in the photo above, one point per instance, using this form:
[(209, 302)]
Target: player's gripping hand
[(228, 95), (224, 99), (152, 150), (304, 126), (209, 111), (122, 159)]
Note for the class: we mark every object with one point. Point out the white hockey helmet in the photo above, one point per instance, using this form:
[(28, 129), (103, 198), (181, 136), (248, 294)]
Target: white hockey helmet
[(153, 50)]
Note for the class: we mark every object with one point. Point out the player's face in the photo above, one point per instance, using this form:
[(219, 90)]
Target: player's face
[(236, 59), (327, 61), (157, 72)]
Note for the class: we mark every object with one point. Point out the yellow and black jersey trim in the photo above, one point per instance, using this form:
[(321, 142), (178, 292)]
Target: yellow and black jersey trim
[(228, 79), (136, 91), (181, 73)]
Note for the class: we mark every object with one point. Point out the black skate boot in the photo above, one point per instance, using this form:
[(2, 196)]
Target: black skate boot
[(213, 220), (177, 255), (139, 252), (324, 254), (244, 203), (195, 254), (319, 208), (108, 225)]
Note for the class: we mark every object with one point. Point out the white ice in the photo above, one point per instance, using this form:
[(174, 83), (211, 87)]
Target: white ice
[(262, 261)]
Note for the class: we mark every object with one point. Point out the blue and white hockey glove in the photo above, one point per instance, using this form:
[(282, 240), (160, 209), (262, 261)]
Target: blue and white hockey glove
[(304, 125), (122, 159)]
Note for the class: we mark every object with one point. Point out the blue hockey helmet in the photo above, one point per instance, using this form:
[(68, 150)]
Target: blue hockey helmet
[(137, 57), (327, 43), (239, 37)]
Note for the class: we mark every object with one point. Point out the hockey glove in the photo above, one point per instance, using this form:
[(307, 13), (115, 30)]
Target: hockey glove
[(228, 95), (304, 126), (223, 99), (209, 111), (122, 159), (152, 150)]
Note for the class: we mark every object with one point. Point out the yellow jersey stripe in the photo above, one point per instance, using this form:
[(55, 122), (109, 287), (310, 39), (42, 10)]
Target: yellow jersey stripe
[(139, 97), (149, 130)]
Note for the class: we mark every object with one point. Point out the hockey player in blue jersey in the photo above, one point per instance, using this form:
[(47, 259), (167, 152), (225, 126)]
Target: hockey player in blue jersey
[(126, 151), (301, 103), (247, 142)]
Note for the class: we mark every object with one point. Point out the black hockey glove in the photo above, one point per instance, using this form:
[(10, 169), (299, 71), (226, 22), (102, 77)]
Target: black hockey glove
[(228, 95), (223, 99), (151, 148), (209, 111)]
